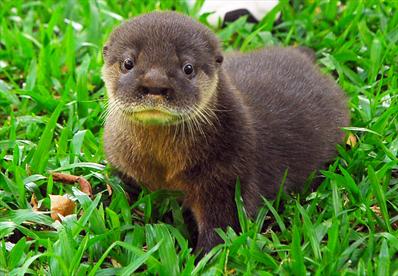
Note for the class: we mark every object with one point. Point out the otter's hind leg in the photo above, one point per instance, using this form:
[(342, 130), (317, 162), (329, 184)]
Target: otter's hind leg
[(212, 210)]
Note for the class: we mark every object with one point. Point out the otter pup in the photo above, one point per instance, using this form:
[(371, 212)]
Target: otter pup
[(180, 117)]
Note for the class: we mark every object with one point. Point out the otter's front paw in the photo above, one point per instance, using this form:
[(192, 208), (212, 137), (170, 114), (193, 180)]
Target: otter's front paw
[(207, 239)]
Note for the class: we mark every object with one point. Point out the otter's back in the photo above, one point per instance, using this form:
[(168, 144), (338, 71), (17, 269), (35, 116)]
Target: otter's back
[(296, 110)]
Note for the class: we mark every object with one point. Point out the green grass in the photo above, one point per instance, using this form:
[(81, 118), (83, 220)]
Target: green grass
[(51, 101)]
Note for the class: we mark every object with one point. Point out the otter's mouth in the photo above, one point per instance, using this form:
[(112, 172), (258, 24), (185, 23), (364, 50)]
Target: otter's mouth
[(154, 116)]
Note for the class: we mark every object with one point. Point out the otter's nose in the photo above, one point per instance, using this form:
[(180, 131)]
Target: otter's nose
[(155, 83), (156, 91)]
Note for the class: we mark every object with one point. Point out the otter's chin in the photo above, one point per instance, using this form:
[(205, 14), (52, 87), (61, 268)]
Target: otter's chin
[(154, 117)]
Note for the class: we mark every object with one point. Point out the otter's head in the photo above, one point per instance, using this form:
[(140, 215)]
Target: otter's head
[(161, 68)]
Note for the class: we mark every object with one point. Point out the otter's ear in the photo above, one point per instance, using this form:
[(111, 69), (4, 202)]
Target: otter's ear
[(104, 51), (219, 59)]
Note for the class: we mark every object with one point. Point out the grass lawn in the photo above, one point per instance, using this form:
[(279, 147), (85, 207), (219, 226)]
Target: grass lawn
[(51, 103)]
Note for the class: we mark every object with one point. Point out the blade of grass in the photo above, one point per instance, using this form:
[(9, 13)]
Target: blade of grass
[(40, 157), (380, 196)]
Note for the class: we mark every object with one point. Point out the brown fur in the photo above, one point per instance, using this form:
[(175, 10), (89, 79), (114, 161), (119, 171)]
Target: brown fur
[(262, 113)]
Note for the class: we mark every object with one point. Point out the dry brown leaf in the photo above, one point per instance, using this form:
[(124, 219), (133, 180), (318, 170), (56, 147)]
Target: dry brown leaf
[(109, 188), (65, 178), (138, 212), (34, 203), (85, 186), (351, 140), (61, 205), (115, 263), (376, 210), (360, 228)]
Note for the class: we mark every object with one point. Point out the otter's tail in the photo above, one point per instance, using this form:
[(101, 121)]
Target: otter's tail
[(308, 52)]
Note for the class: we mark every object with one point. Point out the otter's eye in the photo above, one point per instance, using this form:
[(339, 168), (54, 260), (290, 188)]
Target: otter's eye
[(188, 69), (128, 64)]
